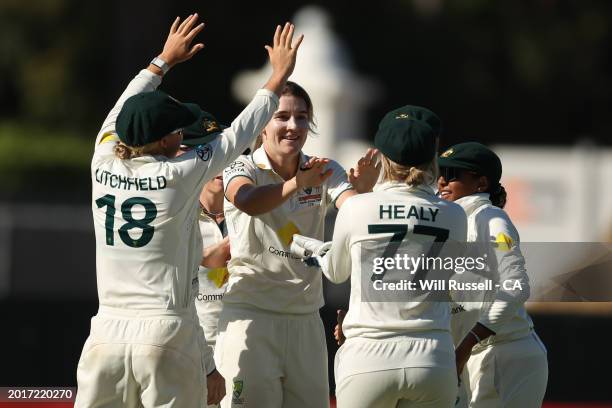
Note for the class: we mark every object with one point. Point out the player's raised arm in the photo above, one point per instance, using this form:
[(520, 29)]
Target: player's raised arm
[(235, 139), (283, 54), (177, 48)]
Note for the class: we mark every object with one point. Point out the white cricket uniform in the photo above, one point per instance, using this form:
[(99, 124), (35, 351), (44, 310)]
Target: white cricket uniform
[(212, 282), (271, 347), (510, 368), (396, 353), (145, 345)]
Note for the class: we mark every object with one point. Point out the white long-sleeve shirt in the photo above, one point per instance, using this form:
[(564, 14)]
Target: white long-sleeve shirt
[(394, 218), (145, 210), (506, 316)]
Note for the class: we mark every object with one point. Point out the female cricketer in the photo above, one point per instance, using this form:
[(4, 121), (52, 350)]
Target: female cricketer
[(271, 346), (398, 350), (145, 344), (506, 361)]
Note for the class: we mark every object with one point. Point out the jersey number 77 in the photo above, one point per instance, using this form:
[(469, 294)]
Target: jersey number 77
[(399, 232)]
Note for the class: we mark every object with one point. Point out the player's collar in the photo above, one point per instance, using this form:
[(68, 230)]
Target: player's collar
[(473, 201), (403, 187), (261, 160)]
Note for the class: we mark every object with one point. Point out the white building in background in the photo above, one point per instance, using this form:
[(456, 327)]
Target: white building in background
[(560, 200), (339, 95), (559, 194)]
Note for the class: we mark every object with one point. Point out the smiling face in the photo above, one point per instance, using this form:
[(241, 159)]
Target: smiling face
[(455, 183), (286, 132)]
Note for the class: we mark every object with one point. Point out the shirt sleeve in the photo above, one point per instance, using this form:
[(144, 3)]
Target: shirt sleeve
[(145, 81), (338, 182), (241, 167), (208, 361), (339, 268), (514, 287), (208, 160)]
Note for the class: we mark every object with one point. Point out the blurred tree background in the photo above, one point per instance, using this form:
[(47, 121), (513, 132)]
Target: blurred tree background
[(518, 72)]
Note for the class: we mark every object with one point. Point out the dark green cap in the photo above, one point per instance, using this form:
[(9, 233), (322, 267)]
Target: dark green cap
[(203, 130), (149, 116), (407, 135), (475, 157)]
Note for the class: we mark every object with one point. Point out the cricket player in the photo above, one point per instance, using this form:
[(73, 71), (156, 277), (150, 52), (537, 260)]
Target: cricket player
[(271, 345), (212, 273), (506, 361), (145, 344), (398, 350)]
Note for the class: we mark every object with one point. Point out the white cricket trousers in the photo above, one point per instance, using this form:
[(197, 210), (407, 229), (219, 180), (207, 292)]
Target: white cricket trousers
[(513, 374), (421, 373), (272, 360), (141, 359)]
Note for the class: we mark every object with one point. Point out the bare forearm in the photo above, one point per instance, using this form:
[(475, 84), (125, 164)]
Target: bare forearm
[(256, 200), (276, 83)]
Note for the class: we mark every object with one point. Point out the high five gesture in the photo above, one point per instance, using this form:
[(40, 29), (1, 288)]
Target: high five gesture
[(283, 54)]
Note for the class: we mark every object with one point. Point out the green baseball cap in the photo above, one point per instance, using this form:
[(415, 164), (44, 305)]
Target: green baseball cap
[(407, 135), (149, 116), (475, 157), (203, 130)]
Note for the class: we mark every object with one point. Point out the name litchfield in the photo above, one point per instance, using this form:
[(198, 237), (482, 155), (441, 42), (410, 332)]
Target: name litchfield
[(107, 178)]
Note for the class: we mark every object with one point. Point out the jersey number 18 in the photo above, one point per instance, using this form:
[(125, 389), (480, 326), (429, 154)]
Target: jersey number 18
[(148, 230)]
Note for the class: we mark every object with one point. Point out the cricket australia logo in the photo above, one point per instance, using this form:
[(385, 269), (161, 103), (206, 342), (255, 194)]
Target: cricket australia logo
[(204, 152), (447, 153), (237, 392), (210, 126)]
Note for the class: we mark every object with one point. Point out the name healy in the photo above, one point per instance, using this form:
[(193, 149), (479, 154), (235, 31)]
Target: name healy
[(400, 211)]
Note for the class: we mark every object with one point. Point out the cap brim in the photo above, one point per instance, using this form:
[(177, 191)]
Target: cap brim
[(195, 140), (446, 162)]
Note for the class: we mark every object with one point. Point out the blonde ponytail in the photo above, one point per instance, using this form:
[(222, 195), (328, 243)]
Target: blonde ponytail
[(426, 173), (126, 152)]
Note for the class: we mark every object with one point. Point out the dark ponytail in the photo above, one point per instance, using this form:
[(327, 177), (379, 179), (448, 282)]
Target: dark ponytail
[(498, 196)]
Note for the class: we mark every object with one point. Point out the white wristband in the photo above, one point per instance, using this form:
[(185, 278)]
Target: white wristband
[(161, 64)]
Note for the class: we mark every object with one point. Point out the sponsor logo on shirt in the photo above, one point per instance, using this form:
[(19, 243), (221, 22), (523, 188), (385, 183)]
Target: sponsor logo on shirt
[(310, 197), (204, 152), (214, 297), (282, 253), (457, 309), (235, 167)]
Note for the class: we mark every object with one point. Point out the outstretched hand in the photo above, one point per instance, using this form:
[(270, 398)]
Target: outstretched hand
[(282, 53), (178, 47), (311, 173), (364, 176)]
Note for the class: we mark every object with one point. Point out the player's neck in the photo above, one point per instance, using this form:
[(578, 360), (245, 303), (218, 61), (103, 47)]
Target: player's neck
[(285, 166), (212, 203)]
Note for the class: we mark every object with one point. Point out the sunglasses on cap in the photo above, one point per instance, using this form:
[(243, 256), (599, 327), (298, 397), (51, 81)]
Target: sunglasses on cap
[(453, 173)]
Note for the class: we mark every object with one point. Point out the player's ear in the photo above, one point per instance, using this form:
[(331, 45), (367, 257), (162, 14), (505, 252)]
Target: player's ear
[(483, 183)]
